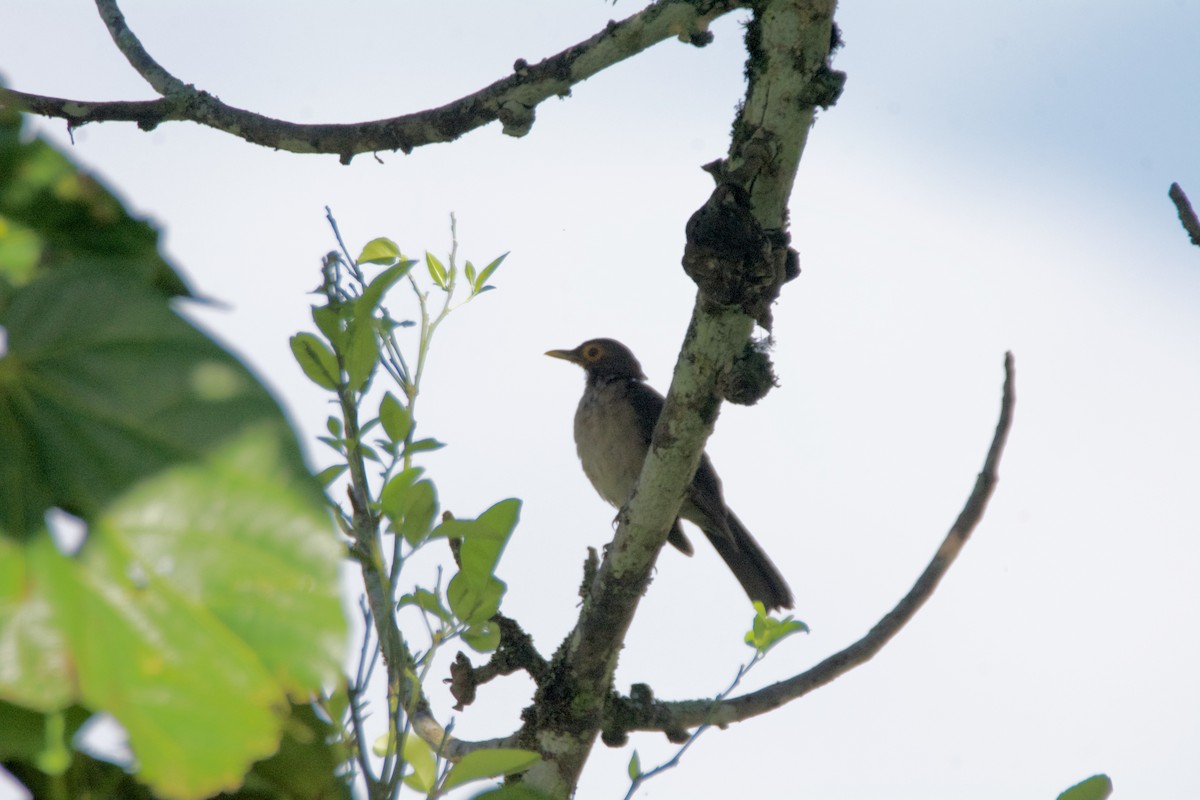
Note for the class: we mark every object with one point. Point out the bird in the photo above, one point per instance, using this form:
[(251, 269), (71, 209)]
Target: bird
[(613, 425)]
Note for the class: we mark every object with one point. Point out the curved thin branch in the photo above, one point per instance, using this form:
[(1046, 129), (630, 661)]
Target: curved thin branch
[(511, 100), (671, 717), (130, 46), (1187, 215)]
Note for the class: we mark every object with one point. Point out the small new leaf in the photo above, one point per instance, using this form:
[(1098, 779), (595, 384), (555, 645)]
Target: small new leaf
[(766, 631), (635, 766), (330, 474), (379, 251), (1097, 787), (427, 601), (436, 270), (480, 285), (423, 446)]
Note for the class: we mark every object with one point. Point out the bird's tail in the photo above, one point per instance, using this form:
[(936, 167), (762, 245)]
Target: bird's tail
[(750, 565)]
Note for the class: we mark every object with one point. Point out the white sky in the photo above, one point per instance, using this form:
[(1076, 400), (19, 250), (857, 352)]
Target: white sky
[(993, 178)]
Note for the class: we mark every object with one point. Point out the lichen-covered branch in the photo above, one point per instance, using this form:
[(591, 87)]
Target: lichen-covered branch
[(789, 45), (512, 100)]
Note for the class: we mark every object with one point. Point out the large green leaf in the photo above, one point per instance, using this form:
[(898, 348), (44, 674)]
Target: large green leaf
[(205, 590), (103, 385), (49, 208)]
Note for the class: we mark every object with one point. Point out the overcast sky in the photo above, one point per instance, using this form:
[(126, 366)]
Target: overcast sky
[(994, 178)]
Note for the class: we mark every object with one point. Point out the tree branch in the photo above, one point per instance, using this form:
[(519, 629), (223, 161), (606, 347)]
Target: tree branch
[(1187, 214), (130, 46), (511, 100), (568, 710), (673, 717)]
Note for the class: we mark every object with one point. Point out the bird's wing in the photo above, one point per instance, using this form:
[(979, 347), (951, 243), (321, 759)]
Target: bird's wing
[(647, 406)]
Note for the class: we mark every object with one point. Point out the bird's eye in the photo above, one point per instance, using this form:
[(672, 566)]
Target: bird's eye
[(593, 352)]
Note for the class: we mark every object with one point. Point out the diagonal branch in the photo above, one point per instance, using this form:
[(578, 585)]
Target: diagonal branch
[(1187, 215), (788, 55), (672, 717), (511, 100)]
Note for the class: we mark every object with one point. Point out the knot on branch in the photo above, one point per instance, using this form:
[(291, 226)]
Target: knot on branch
[(750, 376), (517, 118), (638, 711), (824, 89), (515, 652), (733, 261), (591, 566)]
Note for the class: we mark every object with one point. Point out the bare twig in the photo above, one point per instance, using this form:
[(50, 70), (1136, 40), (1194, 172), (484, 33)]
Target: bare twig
[(1187, 215), (673, 716), (511, 100)]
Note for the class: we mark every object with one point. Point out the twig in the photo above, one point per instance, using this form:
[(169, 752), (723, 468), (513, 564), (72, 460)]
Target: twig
[(714, 705), (1187, 215)]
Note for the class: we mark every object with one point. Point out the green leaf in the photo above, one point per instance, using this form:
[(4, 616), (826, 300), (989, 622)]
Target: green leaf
[(427, 601), (334, 426), (20, 251), (470, 272), (362, 353), (206, 589), (474, 593), (420, 757), (474, 601), (306, 765), (379, 251), (316, 359), (330, 474), (480, 764), (483, 637), (483, 538), (26, 734), (377, 288), (436, 270), (57, 213), (331, 322), (409, 504), (635, 766), (394, 418), (1097, 787), (766, 631), (421, 508), (510, 791), (423, 446), (480, 285)]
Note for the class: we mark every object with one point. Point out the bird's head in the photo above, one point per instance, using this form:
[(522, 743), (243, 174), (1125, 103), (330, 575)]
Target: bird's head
[(603, 358)]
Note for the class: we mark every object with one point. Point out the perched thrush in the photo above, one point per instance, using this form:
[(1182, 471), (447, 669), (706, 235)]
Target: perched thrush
[(613, 425)]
